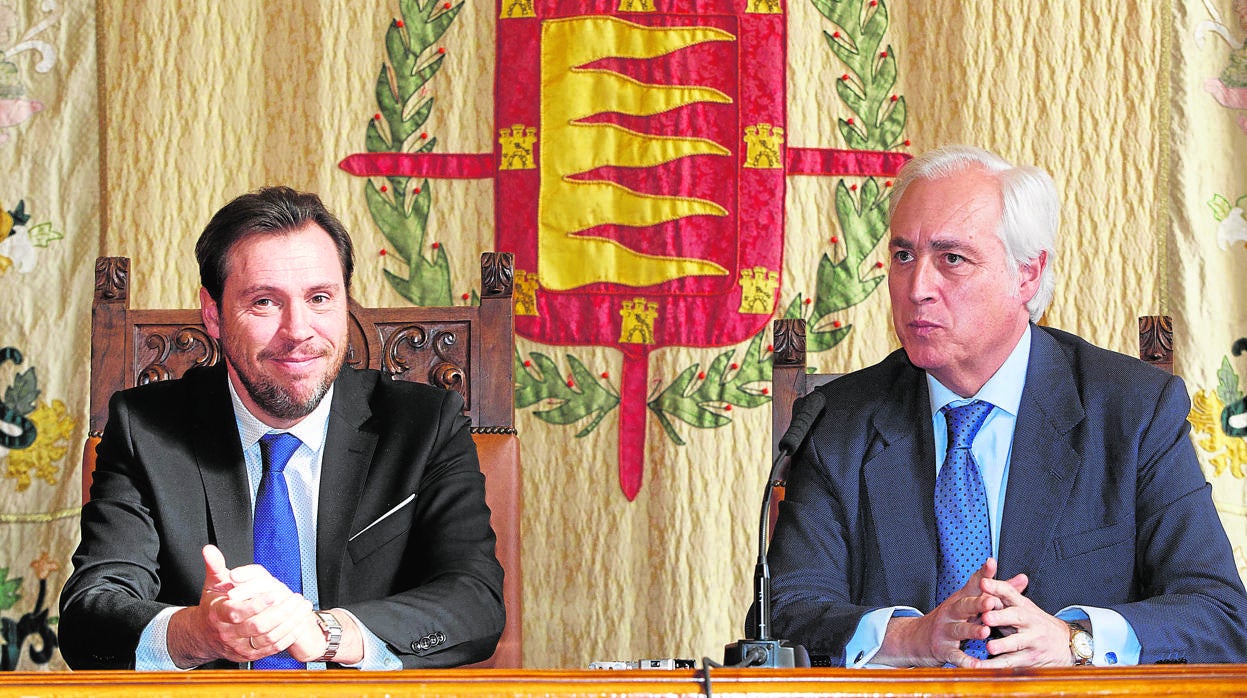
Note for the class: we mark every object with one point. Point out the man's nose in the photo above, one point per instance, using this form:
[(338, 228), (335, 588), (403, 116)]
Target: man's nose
[(296, 321), (923, 280)]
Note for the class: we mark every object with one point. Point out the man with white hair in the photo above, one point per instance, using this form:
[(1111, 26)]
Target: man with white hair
[(996, 493)]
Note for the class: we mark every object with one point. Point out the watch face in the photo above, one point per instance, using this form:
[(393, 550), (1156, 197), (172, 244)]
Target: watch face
[(1082, 645)]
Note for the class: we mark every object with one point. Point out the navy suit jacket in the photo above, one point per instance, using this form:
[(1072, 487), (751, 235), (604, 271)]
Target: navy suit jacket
[(1106, 506), (170, 478)]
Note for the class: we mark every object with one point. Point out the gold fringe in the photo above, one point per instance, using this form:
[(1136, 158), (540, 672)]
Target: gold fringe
[(45, 517)]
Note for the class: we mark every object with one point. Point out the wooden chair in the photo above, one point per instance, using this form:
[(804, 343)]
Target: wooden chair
[(790, 380), (469, 349)]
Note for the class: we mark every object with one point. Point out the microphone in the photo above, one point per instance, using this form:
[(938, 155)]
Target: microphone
[(760, 649)]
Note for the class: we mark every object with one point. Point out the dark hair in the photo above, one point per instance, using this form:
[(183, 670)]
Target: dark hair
[(271, 210)]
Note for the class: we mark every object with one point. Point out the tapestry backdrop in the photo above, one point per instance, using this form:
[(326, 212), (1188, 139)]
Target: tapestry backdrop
[(670, 174)]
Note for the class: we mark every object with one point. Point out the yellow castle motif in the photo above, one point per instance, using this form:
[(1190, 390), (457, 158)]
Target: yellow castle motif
[(517, 147), (638, 321), (763, 7), (517, 8), (525, 294), (636, 5), (757, 291), (763, 145)]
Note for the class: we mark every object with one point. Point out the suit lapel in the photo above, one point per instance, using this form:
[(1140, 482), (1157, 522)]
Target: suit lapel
[(214, 433), (1043, 464), (900, 485), (348, 454)]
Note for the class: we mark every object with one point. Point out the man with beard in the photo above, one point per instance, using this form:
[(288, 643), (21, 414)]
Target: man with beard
[(372, 549)]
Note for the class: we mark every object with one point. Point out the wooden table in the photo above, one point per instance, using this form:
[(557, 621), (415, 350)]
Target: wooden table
[(1137, 682)]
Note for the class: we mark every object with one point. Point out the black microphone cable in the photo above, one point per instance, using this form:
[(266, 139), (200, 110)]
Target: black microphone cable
[(706, 663)]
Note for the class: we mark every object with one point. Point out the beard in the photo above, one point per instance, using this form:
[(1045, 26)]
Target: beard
[(282, 400)]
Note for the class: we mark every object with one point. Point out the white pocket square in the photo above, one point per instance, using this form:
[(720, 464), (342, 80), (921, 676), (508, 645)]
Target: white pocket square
[(383, 517)]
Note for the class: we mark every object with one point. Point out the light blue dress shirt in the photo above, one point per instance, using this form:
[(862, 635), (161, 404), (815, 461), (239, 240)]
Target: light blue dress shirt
[(303, 480), (1115, 640)]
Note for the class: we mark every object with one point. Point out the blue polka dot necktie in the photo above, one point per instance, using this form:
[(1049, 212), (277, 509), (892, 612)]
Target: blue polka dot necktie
[(274, 530), (961, 508)]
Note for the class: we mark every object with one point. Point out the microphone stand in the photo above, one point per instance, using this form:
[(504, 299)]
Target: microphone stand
[(761, 650)]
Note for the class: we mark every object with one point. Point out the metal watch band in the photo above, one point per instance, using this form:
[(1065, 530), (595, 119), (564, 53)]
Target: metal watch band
[(333, 633)]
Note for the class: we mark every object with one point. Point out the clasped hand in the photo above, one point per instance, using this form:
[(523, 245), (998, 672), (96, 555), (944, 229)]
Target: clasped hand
[(1026, 636), (244, 614)]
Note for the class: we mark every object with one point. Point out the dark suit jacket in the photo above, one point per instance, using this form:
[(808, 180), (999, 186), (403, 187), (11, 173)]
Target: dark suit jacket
[(170, 478), (1106, 506)]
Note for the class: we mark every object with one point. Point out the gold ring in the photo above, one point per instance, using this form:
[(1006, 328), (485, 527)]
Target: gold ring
[(251, 641)]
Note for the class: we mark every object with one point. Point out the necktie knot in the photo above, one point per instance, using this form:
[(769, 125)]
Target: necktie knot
[(276, 450), (964, 422)]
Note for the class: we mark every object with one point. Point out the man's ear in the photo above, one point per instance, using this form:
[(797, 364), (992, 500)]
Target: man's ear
[(210, 313), (1029, 276)]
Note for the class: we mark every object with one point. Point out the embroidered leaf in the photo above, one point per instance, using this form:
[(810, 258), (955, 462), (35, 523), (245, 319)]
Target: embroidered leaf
[(42, 234), (843, 278), (10, 590), (542, 382), (428, 280), (866, 88), (21, 395), (843, 283), (402, 212), (1227, 383), (1220, 207), (704, 400), (425, 23)]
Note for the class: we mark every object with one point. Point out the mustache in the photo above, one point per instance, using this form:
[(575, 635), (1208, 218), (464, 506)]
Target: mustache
[(303, 350)]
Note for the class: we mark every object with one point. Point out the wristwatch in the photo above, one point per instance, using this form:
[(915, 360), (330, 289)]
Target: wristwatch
[(1081, 644), (333, 634)]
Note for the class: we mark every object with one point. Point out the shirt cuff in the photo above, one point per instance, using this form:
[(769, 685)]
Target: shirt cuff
[(152, 653), (377, 654), (1115, 641), (868, 638)]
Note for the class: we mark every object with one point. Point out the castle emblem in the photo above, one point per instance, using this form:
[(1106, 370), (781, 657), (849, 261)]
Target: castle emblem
[(638, 321), (762, 146), (517, 147), (757, 290)]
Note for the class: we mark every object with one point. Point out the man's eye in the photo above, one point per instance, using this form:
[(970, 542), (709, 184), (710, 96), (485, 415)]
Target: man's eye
[(902, 255), (953, 258), (263, 302), (320, 298)]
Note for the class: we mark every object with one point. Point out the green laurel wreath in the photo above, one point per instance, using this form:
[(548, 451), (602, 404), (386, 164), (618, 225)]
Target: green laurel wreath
[(401, 212), (567, 401), (877, 124), (704, 399)]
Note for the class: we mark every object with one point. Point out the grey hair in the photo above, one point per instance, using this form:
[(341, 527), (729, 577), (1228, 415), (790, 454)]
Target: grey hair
[(1031, 209)]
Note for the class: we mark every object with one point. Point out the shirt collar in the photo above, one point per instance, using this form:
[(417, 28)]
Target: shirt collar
[(1003, 389), (310, 430)]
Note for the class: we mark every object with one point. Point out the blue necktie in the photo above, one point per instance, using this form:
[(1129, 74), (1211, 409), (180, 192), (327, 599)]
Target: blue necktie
[(276, 536), (961, 508)]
